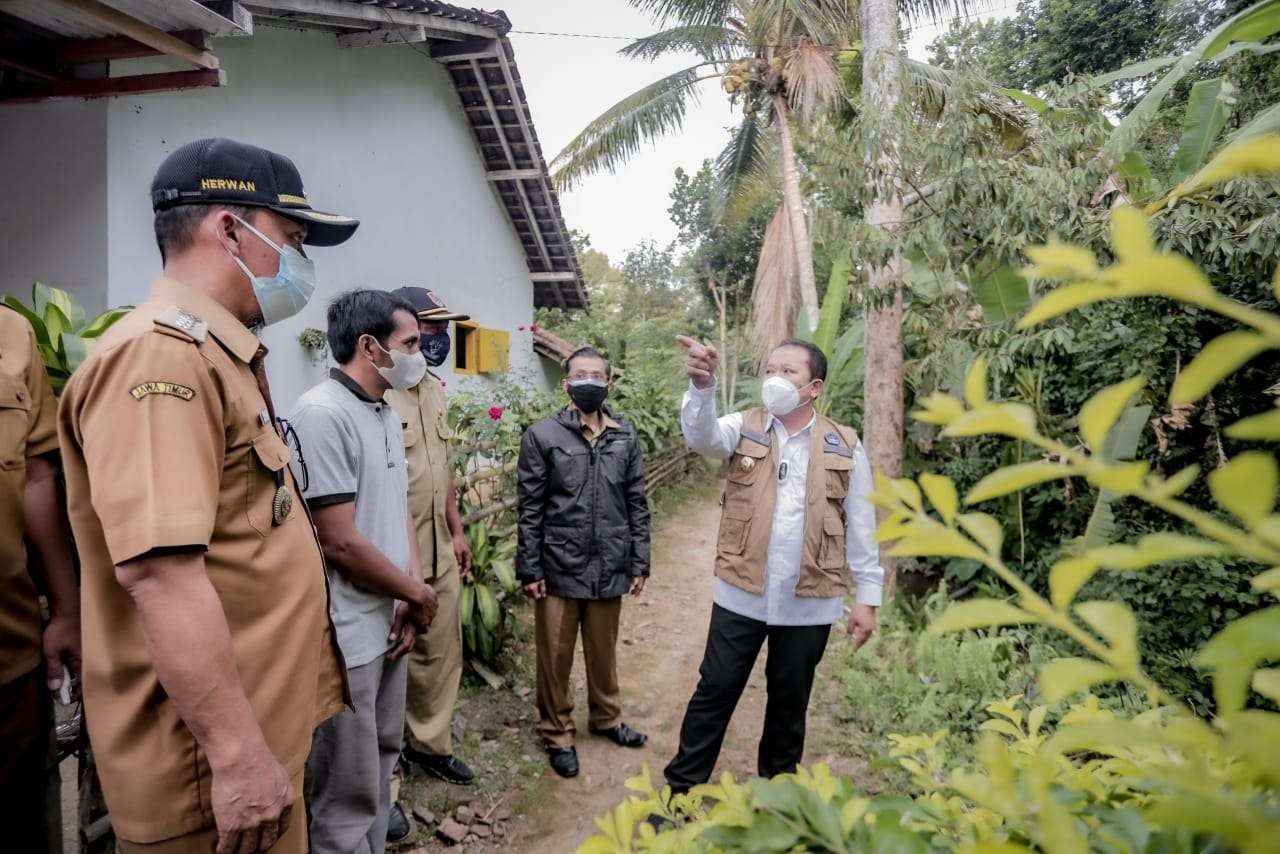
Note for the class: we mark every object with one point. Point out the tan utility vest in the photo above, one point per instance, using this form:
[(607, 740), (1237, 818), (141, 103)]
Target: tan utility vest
[(751, 493)]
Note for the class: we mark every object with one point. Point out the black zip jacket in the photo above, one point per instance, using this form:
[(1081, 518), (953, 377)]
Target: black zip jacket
[(583, 516)]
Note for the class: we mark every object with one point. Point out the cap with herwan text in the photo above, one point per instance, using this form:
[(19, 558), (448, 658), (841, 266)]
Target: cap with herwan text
[(220, 170)]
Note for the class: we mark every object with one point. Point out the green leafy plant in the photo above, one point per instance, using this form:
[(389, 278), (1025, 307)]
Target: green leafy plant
[(486, 603), (315, 342), (1154, 778), (63, 335)]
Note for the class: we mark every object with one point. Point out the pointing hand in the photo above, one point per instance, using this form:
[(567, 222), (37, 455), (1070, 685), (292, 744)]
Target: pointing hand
[(700, 361)]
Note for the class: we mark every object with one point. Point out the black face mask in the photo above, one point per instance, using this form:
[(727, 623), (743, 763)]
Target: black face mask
[(588, 395), (435, 348)]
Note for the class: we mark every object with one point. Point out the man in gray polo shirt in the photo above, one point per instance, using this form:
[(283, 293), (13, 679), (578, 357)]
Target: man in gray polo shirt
[(351, 465)]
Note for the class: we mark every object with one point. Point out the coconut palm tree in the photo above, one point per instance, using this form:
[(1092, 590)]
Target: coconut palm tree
[(776, 56)]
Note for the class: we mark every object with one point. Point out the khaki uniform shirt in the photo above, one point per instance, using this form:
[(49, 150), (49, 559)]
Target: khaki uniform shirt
[(169, 443), (423, 410), (27, 429)]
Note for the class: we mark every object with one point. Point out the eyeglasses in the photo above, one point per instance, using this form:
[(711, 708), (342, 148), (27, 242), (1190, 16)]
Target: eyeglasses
[(295, 444)]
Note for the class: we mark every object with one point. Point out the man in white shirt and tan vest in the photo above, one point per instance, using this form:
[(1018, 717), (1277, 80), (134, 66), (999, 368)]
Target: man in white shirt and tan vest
[(795, 525)]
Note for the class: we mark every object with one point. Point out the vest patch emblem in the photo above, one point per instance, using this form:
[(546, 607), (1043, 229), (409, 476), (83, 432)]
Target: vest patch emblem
[(832, 439), (171, 389), (747, 463)]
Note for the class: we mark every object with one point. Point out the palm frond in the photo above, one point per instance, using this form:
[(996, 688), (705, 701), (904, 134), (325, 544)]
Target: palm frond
[(708, 41), (742, 157), (686, 12), (937, 11), (811, 77), (775, 297), (618, 133), (829, 22)]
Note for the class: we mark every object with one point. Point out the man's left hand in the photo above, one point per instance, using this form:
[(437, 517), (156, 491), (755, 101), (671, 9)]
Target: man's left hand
[(403, 632), (60, 643), (862, 622), (462, 554), (637, 585)]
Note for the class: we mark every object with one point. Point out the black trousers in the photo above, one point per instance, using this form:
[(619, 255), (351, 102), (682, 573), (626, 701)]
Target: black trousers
[(733, 643)]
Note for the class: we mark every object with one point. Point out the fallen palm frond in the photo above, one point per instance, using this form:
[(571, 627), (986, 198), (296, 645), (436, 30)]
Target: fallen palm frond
[(775, 297)]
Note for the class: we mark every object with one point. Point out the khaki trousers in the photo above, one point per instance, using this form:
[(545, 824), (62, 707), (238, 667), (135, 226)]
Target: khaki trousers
[(556, 629), (435, 672)]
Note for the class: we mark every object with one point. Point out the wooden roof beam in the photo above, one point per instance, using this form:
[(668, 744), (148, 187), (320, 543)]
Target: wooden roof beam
[(384, 36), (82, 51), (512, 174), (140, 31), (170, 81), (375, 15)]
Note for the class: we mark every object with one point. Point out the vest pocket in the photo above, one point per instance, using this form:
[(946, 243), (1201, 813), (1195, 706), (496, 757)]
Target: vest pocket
[(831, 553), (735, 525), (838, 469)]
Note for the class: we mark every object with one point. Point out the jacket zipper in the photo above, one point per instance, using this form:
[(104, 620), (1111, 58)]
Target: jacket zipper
[(591, 551)]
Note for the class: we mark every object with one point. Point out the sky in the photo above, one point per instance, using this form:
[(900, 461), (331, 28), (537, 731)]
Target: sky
[(571, 80)]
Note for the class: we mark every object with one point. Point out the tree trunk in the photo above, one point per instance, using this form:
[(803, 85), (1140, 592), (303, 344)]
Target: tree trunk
[(795, 210), (883, 388)]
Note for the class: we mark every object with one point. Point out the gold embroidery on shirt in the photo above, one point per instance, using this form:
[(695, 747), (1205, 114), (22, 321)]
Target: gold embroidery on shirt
[(173, 389)]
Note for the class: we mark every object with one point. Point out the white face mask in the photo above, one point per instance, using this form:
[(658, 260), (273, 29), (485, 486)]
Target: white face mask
[(407, 369), (780, 396), (287, 292)]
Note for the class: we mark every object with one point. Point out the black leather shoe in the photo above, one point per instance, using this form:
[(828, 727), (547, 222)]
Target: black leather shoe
[(564, 760), (451, 769), (398, 827), (659, 823), (623, 736)]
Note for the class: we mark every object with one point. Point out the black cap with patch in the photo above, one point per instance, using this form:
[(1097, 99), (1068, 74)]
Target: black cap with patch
[(428, 305), (220, 170)]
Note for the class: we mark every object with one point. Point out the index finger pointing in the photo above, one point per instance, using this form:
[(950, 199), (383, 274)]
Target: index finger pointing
[(686, 342)]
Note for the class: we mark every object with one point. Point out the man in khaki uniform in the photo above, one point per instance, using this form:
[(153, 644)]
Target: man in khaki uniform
[(210, 657), (31, 510), (435, 665)]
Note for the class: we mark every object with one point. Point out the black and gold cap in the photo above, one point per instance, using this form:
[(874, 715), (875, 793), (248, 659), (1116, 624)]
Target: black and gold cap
[(428, 304), (220, 170)]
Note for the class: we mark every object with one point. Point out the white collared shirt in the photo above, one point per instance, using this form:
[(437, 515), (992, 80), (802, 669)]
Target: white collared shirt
[(778, 605)]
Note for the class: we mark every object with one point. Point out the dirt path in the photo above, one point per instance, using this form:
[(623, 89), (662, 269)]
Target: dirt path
[(662, 640)]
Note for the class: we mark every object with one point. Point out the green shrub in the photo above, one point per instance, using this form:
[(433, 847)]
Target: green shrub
[(907, 680)]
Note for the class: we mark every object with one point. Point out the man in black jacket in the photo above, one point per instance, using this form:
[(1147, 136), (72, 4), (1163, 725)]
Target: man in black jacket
[(584, 542)]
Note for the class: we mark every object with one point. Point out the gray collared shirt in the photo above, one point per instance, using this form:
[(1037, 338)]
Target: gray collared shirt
[(354, 451)]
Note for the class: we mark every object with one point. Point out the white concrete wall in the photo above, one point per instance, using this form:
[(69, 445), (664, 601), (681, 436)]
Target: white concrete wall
[(378, 133), (53, 216)]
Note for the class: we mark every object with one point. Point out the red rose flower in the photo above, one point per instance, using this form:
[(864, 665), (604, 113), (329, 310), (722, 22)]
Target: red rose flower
[(534, 327), (495, 412)]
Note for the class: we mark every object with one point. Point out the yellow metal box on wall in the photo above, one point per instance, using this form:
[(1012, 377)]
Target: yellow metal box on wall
[(494, 347), (478, 350)]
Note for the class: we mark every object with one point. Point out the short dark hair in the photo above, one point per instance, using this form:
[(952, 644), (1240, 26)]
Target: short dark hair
[(817, 358), (176, 226), (588, 353), (362, 312)]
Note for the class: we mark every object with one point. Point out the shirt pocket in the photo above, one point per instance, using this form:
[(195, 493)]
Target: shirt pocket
[(15, 414), (264, 466)]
